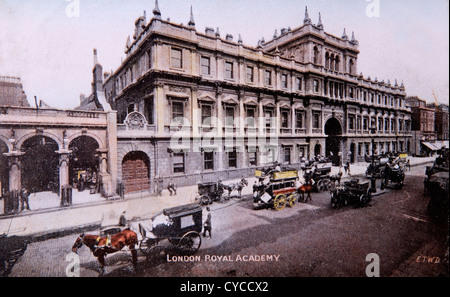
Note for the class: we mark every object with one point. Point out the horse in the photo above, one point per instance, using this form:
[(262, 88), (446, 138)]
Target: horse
[(101, 246), (236, 186), (305, 189)]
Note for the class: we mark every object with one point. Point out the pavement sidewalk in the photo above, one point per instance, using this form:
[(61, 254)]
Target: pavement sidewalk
[(138, 206)]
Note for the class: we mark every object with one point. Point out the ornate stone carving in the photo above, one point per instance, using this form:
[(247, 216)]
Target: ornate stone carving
[(135, 121)]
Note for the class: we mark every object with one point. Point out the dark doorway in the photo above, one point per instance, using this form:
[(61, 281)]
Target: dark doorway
[(333, 131), (352, 152), (40, 170), (317, 149)]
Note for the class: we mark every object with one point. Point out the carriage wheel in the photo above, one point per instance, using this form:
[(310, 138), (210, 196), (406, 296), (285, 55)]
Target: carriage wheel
[(156, 254), (334, 201), (146, 245), (292, 200), (279, 202), (320, 185), (190, 243), (363, 200)]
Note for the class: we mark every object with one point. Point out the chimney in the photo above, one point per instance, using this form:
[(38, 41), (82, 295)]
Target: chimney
[(95, 57)]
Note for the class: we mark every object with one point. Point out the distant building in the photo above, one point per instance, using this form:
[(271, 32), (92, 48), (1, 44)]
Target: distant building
[(423, 126), (11, 92), (441, 122)]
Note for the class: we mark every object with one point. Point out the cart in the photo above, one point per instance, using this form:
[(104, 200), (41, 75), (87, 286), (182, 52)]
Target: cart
[(352, 192), (180, 226), (209, 192), (321, 175), (279, 191)]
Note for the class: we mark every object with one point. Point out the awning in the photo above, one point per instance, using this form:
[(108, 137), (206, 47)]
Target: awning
[(430, 146)]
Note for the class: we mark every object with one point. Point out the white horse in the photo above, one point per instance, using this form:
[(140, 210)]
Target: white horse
[(236, 186)]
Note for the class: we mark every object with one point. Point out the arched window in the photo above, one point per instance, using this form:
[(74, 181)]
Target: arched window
[(316, 55), (327, 60), (336, 66), (332, 61), (351, 67)]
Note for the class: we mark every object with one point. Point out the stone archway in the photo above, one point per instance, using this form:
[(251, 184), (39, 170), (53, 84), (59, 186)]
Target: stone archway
[(333, 130), (39, 164), (83, 162), (136, 172)]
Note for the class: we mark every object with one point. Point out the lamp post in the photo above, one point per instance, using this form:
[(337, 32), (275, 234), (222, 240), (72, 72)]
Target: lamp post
[(373, 180)]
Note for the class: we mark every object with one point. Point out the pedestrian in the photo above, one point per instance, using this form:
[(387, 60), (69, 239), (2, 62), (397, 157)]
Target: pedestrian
[(207, 224), (172, 188), (408, 165), (123, 219), (348, 168), (255, 192), (24, 194)]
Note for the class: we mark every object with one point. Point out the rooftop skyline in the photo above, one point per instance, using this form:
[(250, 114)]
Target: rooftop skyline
[(49, 43)]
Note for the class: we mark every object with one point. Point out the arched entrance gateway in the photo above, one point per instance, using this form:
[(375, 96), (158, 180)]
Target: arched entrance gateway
[(136, 172), (333, 131), (40, 161), (84, 163)]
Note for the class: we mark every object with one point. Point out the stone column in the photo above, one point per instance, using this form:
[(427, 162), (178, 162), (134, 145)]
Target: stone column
[(65, 193), (15, 181), (104, 177)]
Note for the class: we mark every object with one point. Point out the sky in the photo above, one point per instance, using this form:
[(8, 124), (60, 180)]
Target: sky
[(49, 43)]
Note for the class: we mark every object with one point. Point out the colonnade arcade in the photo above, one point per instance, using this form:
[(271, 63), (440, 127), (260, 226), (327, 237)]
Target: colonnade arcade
[(40, 161)]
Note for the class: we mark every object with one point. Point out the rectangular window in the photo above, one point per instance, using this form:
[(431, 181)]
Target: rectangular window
[(206, 65), (206, 114), (178, 163), (285, 119), (299, 83), (316, 86), (268, 117), (268, 78), (176, 58), (316, 120), (250, 76), (252, 158), (232, 159), (351, 122), (287, 155), (228, 70), (250, 117), (208, 160), (365, 124), (284, 81), (229, 116), (299, 120), (178, 112), (149, 110)]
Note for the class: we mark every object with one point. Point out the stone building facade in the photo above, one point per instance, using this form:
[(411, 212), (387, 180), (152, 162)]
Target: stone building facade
[(195, 106)]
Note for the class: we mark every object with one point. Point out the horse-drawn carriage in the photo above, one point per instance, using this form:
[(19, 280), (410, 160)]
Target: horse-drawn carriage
[(377, 168), (278, 191), (352, 192), (320, 177), (209, 192), (180, 225), (392, 176)]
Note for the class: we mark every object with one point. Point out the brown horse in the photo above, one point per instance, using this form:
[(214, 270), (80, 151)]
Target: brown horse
[(101, 246), (305, 189)]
